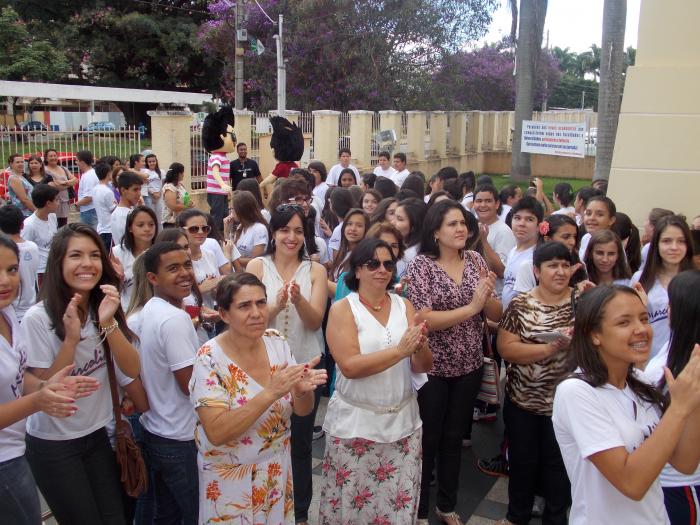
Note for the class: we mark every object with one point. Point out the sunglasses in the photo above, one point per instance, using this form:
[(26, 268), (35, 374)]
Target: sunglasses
[(233, 136), (196, 229), (284, 207), (374, 264)]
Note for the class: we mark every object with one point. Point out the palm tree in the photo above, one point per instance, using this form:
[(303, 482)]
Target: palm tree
[(529, 46), (612, 58)]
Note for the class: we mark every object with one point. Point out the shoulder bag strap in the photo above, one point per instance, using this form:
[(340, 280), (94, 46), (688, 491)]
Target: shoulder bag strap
[(484, 321), (116, 406)]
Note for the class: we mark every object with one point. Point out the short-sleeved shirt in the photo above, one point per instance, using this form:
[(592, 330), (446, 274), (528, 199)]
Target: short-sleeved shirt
[(13, 362), (282, 169), (218, 158), (40, 232), (657, 308), (117, 224), (247, 169), (28, 269), (333, 177), (88, 181), (531, 386), (588, 420), (516, 259), (168, 344), (103, 199), (251, 237), (456, 350)]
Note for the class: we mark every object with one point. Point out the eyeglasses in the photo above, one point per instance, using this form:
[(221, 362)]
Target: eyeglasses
[(196, 229), (374, 264), (284, 207), (300, 199)]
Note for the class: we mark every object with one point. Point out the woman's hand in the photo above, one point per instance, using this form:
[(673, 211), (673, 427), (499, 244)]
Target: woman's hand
[(228, 249), (641, 292), (557, 346), (282, 296), (324, 228), (584, 286), (310, 378), (71, 320), (685, 389), (412, 340), (484, 290), (294, 292), (57, 396), (283, 379), (109, 305), (117, 265)]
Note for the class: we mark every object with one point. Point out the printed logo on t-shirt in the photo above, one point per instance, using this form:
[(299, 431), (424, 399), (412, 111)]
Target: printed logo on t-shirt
[(27, 256), (660, 314), (90, 367), (16, 387)]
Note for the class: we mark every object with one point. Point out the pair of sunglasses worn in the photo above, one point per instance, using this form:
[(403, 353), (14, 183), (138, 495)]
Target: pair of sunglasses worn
[(374, 264), (196, 229)]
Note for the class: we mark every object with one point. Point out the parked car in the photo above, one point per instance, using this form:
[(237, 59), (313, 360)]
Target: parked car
[(33, 125), (103, 125)]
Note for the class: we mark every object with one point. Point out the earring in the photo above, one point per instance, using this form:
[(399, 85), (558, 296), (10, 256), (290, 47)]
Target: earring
[(436, 240), (596, 342), (272, 243)]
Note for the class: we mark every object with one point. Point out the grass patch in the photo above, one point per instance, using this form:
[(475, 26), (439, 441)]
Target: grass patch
[(548, 183)]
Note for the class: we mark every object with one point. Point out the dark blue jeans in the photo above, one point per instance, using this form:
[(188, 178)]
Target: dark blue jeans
[(218, 208), (78, 478), (172, 466), (90, 218), (19, 501), (145, 503)]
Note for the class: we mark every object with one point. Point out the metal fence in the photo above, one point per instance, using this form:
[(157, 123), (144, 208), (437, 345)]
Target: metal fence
[(198, 157), (121, 143)]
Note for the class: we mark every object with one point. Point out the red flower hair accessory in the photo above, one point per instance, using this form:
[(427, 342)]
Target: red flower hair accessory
[(544, 228)]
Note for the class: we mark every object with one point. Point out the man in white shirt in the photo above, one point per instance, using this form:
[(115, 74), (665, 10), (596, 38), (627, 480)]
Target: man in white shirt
[(500, 239), (527, 215), (129, 186), (168, 346), (333, 178), (11, 219), (400, 169), (103, 199), (88, 181), (384, 169), (41, 226)]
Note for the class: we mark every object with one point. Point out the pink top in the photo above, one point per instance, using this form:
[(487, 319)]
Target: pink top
[(218, 158)]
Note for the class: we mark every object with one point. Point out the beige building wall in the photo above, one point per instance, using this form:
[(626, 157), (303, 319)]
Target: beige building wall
[(656, 162)]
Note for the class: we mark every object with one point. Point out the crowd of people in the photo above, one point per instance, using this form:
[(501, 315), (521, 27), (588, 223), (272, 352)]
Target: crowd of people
[(387, 291)]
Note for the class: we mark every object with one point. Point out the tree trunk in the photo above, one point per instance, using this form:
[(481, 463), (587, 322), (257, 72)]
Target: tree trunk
[(532, 15), (612, 58)]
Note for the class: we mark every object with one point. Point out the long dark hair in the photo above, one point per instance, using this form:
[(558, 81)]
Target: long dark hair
[(128, 241), (279, 219), (627, 231), (621, 270), (253, 187), (344, 248), (415, 211), (684, 308), (379, 213), (56, 293), (247, 211), (154, 156), (433, 221), (173, 173), (654, 263), (554, 222), (590, 310)]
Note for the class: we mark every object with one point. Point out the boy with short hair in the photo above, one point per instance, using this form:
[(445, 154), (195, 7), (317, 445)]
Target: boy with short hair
[(168, 346), (11, 219), (103, 198), (527, 215), (400, 169), (129, 186), (41, 226), (333, 178), (384, 169)]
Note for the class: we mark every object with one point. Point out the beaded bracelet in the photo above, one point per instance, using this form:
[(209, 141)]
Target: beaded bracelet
[(106, 330)]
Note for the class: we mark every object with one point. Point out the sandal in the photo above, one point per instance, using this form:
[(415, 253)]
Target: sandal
[(450, 518)]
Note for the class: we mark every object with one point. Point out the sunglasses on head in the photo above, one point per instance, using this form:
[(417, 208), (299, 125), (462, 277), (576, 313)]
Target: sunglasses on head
[(374, 264), (284, 207), (196, 229)]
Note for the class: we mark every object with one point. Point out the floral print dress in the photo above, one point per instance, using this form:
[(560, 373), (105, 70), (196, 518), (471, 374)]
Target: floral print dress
[(247, 481)]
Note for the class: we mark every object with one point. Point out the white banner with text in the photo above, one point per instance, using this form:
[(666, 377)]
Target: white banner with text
[(566, 139)]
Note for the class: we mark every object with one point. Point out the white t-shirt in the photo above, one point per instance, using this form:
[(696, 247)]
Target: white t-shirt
[(400, 176), (505, 210), (589, 420), (88, 181), (320, 193), (127, 259), (40, 232), (467, 200), (28, 268), (144, 186), (204, 268), (502, 241), (658, 314), (213, 246), (13, 361), (584, 246), (645, 254), (251, 237), (516, 259), (118, 224), (408, 255), (323, 253), (334, 174), (669, 477), (334, 241), (569, 210), (155, 183), (41, 344), (168, 344), (389, 174), (103, 199)]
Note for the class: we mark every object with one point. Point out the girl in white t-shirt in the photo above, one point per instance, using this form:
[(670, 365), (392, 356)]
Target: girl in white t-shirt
[(247, 227), (139, 234), (681, 491), (605, 259), (670, 252), (71, 459), (21, 395), (155, 185), (599, 215), (616, 431), (408, 219)]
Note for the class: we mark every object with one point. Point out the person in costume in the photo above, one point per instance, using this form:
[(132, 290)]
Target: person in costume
[(219, 139), (288, 143)]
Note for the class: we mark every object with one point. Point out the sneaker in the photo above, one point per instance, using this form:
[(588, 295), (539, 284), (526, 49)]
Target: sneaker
[(496, 466), (318, 433), (485, 416)]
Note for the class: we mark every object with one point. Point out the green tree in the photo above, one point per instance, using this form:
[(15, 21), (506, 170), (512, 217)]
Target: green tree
[(611, 79), (529, 46)]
